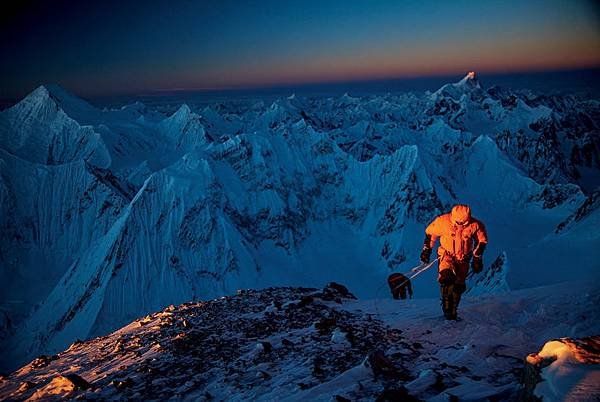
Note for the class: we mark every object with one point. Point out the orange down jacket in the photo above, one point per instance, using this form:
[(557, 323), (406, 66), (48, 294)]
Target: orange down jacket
[(457, 232)]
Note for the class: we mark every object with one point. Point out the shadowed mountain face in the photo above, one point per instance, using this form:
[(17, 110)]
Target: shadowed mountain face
[(107, 215)]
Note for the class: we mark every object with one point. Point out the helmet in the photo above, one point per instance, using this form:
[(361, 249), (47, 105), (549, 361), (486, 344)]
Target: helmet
[(461, 214)]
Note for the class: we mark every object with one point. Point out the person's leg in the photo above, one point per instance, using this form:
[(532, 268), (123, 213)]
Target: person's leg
[(461, 270), (447, 278)]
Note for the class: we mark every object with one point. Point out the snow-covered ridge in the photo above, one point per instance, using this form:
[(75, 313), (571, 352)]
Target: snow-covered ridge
[(307, 344), (129, 210)]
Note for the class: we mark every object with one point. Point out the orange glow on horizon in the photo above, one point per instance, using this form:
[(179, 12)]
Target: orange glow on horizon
[(528, 57)]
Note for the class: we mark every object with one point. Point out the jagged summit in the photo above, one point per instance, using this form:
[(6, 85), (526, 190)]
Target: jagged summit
[(44, 128), (44, 96), (184, 111), (71, 104), (184, 128), (468, 85), (346, 99), (470, 79), (40, 93)]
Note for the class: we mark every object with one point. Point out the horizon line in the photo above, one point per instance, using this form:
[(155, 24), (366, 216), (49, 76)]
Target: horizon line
[(303, 84)]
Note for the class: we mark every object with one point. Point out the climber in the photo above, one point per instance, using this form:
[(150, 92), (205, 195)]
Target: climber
[(462, 237), (399, 285)]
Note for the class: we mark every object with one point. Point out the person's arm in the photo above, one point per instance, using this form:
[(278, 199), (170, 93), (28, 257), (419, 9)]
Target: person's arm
[(482, 239), (479, 249), (432, 232)]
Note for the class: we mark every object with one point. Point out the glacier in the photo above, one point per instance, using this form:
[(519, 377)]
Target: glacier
[(110, 214)]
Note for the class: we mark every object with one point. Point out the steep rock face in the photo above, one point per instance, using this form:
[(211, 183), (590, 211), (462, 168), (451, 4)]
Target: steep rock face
[(492, 280), (199, 203), (588, 210), (49, 215)]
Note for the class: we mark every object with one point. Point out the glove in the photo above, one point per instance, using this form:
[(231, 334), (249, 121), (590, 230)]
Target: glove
[(477, 264), (425, 255)]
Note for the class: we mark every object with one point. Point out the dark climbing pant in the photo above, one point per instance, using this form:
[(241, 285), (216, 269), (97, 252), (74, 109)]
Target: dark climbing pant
[(451, 290)]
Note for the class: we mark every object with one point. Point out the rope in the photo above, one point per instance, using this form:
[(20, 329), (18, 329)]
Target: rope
[(416, 272)]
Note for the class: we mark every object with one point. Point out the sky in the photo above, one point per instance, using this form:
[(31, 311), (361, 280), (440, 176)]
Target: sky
[(109, 47)]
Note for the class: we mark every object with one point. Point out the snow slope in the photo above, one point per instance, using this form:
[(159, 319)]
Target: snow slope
[(302, 344)]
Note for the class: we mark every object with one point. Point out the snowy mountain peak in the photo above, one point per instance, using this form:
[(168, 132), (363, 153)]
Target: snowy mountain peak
[(183, 112), (184, 127), (36, 100), (470, 80), (469, 85), (471, 76), (44, 128), (53, 97), (41, 93)]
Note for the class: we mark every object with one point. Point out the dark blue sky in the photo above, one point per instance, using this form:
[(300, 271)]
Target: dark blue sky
[(97, 48)]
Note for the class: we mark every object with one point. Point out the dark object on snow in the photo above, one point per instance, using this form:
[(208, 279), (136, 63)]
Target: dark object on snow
[(399, 286), (396, 394), (335, 289), (267, 347), (382, 366), (325, 325)]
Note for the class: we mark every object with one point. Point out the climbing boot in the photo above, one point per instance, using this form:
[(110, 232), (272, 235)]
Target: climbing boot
[(457, 292), (455, 301), (448, 301)]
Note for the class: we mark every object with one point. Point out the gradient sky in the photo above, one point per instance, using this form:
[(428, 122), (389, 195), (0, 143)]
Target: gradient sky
[(105, 47)]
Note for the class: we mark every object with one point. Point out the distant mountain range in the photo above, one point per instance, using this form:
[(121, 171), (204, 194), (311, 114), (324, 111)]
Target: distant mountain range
[(107, 215)]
